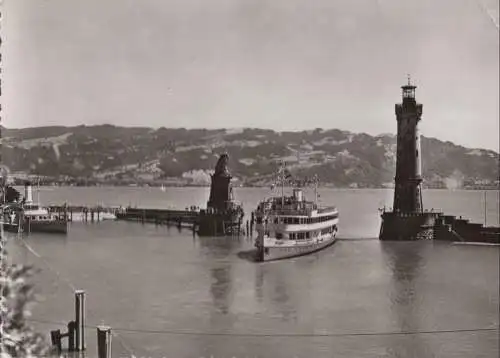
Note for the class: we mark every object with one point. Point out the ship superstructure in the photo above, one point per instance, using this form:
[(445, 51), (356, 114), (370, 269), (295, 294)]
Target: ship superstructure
[(289, 226)]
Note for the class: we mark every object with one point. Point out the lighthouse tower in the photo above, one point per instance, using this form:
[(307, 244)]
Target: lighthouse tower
[(408, 191), (408, 220)]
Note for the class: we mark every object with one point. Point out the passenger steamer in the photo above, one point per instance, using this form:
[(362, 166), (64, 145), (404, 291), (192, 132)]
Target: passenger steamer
[(289, 226)]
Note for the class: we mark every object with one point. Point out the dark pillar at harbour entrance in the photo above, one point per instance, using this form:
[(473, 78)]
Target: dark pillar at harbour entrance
[(223, 215), (408, 191), (221, 191)]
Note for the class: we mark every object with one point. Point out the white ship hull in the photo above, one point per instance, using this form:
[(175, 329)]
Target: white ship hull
[(274, 249), (273, 252)]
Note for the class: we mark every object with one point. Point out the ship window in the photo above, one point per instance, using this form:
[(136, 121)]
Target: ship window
[(308, 235), (279, 235), (296, 221)]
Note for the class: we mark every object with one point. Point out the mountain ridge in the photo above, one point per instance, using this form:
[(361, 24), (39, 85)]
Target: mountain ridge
[(109, 153)]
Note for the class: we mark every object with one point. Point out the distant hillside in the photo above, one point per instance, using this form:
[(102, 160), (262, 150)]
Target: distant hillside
[(340, 158)]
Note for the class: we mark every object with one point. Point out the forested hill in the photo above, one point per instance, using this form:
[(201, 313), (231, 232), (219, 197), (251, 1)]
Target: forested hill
[(340, 158)]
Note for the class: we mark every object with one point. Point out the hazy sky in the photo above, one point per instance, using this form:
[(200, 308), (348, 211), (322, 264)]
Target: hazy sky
[(280, 64)]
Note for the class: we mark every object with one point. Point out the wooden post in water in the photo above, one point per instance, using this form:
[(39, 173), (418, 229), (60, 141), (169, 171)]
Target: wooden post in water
[(80, 320), (485, 208), (104, 342), (71, 336)]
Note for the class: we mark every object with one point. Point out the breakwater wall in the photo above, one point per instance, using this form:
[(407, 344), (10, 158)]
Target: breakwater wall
[(398, 226)]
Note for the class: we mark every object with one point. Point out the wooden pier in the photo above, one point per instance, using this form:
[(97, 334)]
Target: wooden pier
[(85, 213), (188, 218)]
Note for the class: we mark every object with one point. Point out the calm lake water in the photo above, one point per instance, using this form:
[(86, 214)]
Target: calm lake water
[(166, 293)]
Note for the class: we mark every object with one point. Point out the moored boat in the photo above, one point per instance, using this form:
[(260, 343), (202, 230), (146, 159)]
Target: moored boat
[(32, 217), (289, 226)]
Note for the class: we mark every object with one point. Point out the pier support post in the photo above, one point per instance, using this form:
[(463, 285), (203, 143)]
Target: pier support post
[(80, 320), (103, 342), (56, 337)]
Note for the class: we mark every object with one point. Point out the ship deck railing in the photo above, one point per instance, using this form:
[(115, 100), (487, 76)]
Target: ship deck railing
[(300, 212)]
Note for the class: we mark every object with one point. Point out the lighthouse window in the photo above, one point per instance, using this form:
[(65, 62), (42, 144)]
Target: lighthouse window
[(417, 153)]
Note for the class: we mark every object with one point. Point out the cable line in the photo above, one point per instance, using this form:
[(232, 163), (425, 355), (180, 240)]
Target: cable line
[(288, 335)]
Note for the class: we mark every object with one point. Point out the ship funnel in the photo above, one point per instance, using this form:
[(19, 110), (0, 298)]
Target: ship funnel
[(28, 194), (297, 194)]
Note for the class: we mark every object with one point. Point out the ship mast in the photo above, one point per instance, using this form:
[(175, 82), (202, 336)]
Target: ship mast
[(316, 179), (282, 184), (315, 191)]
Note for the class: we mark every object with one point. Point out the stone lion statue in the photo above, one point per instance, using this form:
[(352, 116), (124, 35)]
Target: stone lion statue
[(221, 166)]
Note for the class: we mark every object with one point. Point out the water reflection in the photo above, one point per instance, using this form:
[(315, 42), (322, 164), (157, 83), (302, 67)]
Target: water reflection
[(221, 288), (272, 282), (259, 283), (406, 261), (218, 251), (282, 298)]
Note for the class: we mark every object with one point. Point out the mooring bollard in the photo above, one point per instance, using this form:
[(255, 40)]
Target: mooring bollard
[(104, 342), (80, 319), (56, 337)]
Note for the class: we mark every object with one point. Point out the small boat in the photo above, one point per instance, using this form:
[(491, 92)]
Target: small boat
[(290, 226), (32, 217)]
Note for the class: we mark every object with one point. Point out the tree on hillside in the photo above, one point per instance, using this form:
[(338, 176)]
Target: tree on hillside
[(17, 337)]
